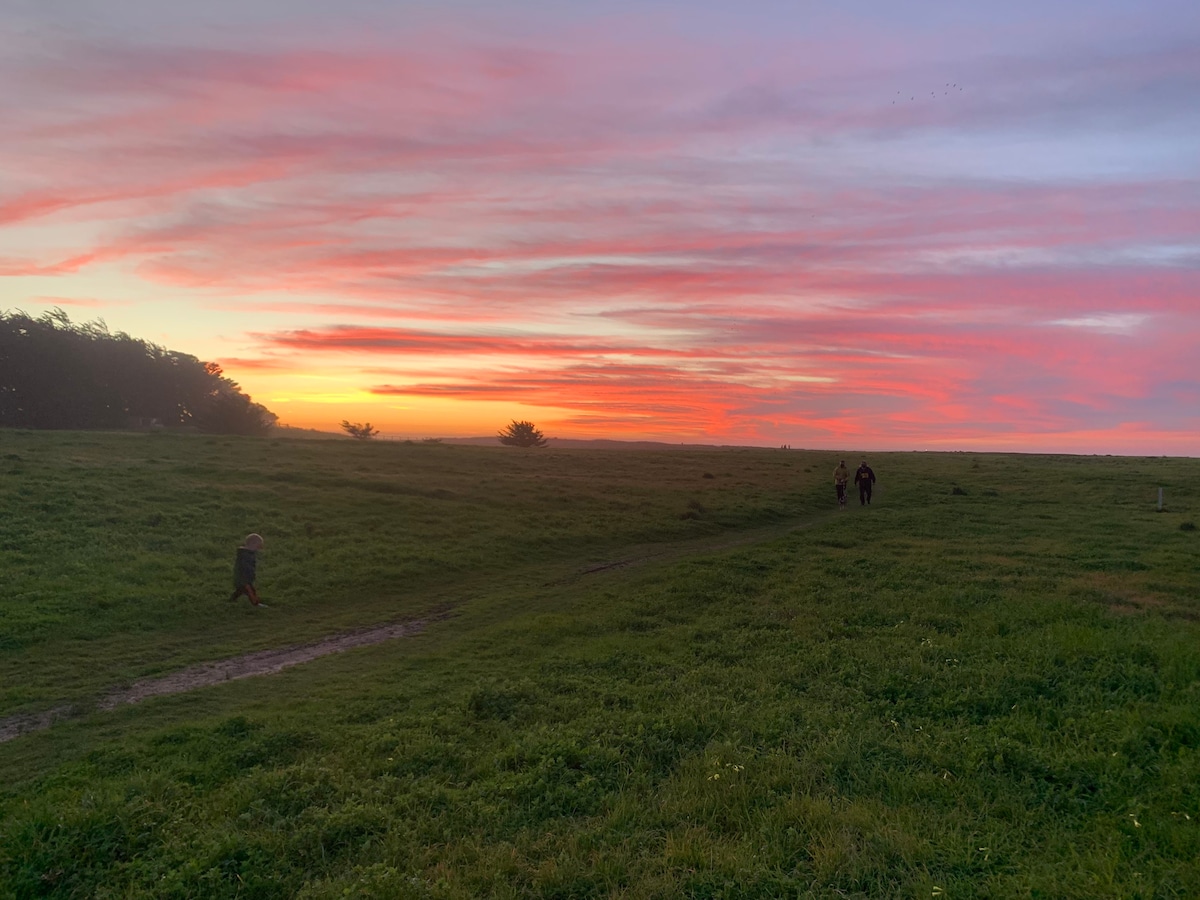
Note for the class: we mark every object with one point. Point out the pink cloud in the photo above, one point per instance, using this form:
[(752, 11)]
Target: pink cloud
[(640, 231), (22, 268), (85, 302), (255, 364)]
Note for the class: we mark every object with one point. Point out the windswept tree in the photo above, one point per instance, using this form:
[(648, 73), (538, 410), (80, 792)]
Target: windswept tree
[(56, 374), (522, 434), (359, 431), (229, 411)]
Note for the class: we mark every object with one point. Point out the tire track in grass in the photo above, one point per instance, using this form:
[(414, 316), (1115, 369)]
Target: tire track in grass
[(695, 546), (267, 662)]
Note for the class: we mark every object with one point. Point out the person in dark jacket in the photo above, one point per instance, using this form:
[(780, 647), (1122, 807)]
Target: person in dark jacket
[(864, 478), (245, 567)]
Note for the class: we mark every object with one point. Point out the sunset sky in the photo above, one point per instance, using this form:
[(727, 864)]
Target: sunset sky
[(859, 225)]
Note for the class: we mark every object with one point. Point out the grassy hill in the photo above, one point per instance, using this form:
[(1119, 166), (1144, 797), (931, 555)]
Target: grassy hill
[(669, 672)]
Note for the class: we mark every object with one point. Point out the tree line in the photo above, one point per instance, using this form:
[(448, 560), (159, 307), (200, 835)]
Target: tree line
[(58, 374)]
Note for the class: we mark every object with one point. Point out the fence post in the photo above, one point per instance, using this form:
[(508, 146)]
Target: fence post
[(1160, 499)]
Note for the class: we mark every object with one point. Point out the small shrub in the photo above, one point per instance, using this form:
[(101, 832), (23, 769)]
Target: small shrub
[(522, 434), (959, 492), (709, 475), (1187, 526), (360, 431)]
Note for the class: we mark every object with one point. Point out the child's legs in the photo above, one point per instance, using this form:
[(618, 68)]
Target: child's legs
[(246, 590)]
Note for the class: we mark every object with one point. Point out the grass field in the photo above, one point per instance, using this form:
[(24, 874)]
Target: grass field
[(671, 673)]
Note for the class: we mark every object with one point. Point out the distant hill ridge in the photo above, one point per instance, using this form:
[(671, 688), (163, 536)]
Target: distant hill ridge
[(598, 443)]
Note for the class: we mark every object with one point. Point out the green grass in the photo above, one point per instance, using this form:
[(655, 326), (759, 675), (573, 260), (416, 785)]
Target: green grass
[(992, 692), (118, 548)]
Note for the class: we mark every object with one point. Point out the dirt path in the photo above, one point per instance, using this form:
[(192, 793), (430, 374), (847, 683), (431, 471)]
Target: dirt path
[(266, 662)]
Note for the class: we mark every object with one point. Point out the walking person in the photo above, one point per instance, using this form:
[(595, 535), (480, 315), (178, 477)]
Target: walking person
[(245, 567), (864, 478), (841, 476)]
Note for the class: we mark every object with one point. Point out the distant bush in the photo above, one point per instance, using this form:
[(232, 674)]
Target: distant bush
[(522, 434), (360, 431), (1187, 526), (958, 491), (708, 475)]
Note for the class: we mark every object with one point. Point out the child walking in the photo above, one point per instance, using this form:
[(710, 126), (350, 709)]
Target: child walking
[(244, 568), (841, 475)]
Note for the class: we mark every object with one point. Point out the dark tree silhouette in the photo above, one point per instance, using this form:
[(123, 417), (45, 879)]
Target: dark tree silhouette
[(359, 431), (522, 434), (56, 374)]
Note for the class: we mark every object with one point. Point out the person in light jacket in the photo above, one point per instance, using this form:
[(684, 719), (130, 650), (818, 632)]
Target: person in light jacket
[(841, 476)]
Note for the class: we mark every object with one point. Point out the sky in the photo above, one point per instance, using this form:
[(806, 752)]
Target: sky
[(864, 225)]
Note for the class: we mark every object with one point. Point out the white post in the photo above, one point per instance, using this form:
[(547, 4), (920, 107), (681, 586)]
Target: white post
[(1160, 499)]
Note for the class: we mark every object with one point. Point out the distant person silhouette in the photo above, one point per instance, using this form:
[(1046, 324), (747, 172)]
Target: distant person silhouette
[(841, 476), (864, 478), (245, 567)]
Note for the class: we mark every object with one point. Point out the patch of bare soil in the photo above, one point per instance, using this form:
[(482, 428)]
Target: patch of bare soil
[(264, 662), (15, 726)]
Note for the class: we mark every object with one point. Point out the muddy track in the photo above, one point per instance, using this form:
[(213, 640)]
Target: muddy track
[(266, 662), (263, 662)]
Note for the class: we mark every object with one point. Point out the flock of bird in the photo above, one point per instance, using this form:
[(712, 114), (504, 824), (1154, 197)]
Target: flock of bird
[(946, 92)]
